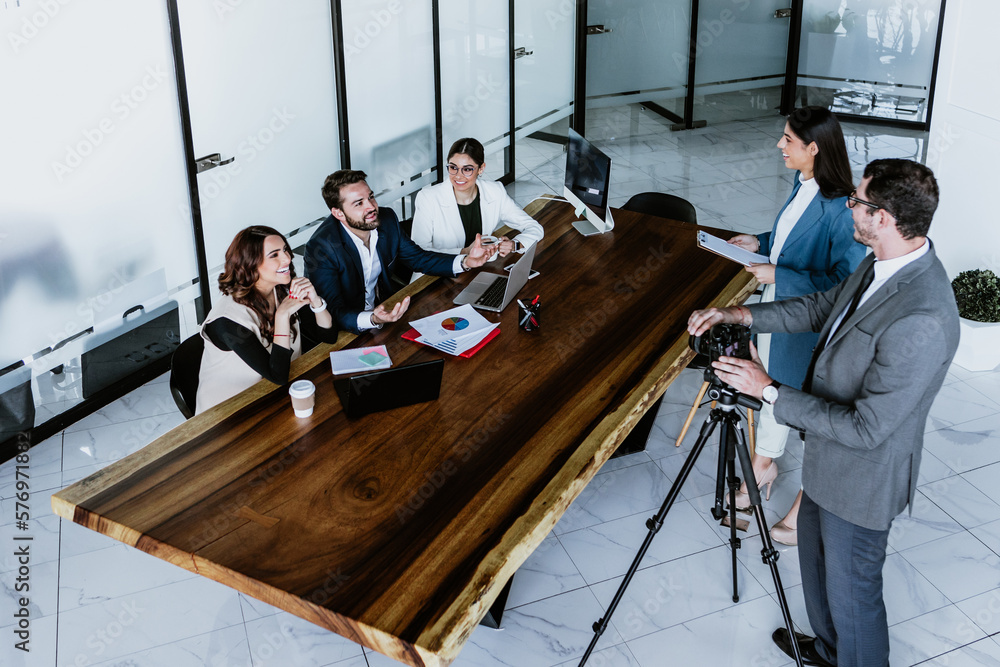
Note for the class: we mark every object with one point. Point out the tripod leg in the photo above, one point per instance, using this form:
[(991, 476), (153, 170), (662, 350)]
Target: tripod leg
[(654, 524), (768, 553), (691, 413), (728, 443), (752, 430)]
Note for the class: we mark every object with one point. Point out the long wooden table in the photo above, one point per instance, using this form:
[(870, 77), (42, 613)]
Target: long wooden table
[(399, 529)]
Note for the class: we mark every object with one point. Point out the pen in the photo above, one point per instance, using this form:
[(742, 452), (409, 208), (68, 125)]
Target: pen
[(526, 318), (537, 296), (521, 304)]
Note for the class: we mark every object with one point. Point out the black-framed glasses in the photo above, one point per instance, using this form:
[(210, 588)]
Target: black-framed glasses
[(467, 170), (852, 200)]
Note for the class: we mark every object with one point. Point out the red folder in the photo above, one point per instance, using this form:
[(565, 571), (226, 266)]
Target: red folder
[(413, 334)]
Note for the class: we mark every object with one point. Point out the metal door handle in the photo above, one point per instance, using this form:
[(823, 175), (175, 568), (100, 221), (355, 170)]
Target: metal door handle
[(597, 30), (211, 162), (783, 13), (521, 52)]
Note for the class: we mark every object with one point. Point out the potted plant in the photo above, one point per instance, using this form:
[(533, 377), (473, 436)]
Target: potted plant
[(978, 296)]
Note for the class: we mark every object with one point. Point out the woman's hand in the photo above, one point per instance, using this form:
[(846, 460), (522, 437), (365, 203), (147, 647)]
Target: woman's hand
[(764, 273), (505, 246), (302, 289), (745, 241)]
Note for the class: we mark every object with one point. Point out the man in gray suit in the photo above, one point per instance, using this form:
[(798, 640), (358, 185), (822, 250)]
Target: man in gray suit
[(887, 337)]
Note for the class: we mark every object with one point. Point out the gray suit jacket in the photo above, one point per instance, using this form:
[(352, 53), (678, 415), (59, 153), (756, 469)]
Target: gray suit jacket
[(872, 387)]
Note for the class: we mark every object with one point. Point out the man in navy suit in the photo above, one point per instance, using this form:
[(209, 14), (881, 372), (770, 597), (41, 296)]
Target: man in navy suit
[(887, 336), (351, 255)]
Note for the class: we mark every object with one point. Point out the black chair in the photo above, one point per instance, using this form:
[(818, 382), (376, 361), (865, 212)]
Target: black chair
[(662, 205), (401, 275), (185, 364)]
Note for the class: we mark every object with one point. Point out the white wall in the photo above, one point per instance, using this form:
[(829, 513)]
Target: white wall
[(964, 144)]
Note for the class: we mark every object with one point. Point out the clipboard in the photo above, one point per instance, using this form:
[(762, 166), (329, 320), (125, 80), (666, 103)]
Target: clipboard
[(730, 251)]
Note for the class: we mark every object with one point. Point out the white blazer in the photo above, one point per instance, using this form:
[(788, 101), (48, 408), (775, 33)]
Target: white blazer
[(437, 224)]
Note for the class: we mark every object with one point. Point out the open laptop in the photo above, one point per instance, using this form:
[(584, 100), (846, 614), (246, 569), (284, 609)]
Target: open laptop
[(490, 291), (390, 388)]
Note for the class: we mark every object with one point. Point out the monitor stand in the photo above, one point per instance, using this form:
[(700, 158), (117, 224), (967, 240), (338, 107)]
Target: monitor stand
[(591, 224)]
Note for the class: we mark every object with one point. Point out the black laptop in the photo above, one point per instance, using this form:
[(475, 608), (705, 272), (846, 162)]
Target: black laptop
[(391, 388)]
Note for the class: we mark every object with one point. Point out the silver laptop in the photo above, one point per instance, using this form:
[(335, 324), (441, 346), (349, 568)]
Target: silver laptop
[(490, 291)]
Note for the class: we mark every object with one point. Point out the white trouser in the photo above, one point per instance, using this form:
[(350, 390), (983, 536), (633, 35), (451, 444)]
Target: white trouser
[(771, 435)]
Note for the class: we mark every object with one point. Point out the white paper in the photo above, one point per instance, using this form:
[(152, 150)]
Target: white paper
[(350, 361), (462, 344), (730, 251), (433, 329)]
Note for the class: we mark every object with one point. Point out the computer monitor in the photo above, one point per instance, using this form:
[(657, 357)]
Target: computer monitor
[(588, 179)]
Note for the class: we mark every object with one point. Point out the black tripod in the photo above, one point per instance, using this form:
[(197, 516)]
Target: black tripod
[(731, 443)]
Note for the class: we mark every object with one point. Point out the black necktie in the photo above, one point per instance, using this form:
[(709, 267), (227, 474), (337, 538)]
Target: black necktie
[(866, 281)]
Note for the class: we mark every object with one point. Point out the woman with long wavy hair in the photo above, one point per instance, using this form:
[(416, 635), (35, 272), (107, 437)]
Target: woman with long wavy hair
[(256, 329)]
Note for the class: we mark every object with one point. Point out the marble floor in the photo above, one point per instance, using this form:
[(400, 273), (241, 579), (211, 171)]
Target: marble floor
[(94, 601)]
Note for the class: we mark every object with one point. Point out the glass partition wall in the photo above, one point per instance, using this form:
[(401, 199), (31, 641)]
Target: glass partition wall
[(92, 241), (870, 58)]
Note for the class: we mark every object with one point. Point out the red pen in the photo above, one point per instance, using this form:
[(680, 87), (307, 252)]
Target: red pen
[(537, 296)]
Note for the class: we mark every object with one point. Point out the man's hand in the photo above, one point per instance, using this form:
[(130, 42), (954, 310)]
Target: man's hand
[(746, 376), (764, 273), (703, 320), (745, 241), (382, 316), (478, 255)]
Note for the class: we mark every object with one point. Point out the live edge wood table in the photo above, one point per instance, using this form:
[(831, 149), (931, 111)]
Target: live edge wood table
[(399, 529)]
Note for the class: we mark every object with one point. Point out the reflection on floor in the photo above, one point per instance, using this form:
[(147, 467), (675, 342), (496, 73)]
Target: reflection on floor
[(95, 601)]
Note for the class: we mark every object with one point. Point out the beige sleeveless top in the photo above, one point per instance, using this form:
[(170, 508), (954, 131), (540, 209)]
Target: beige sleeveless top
[(223, 374)]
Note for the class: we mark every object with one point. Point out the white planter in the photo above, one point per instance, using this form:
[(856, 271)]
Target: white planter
[(979, 347)]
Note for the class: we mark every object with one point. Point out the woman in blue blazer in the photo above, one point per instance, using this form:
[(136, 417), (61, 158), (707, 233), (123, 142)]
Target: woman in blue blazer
[(812, 248)]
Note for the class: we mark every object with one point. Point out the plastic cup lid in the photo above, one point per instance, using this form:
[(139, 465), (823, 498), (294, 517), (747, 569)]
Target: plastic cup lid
[(302, 389)]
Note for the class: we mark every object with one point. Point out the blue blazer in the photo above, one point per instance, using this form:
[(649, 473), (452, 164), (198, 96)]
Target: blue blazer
[(334, 265), (818, 254)]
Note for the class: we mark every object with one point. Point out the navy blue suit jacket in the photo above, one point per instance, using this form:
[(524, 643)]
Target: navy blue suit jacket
[(818, 254), (334, 265)]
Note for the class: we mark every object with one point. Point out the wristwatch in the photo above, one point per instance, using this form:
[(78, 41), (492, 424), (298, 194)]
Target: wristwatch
[(517, 245), (771, 392)]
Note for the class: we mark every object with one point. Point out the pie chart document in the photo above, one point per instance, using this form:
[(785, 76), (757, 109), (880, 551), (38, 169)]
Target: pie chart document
[(451, 324)]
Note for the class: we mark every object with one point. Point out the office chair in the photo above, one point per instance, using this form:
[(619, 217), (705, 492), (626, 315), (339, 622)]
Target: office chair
[(662, 205), (665, 205), (185, 364)]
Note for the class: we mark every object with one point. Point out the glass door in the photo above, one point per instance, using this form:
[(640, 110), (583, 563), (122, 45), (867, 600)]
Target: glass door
[(267, 107), (740, 66), (869, 58), (475, 78), (544, 90)]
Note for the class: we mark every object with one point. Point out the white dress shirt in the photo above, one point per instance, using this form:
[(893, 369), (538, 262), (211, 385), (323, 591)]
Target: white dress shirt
[(791, 214)]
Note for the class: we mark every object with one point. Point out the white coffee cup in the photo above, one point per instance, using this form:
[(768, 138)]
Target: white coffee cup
[(303, 393)]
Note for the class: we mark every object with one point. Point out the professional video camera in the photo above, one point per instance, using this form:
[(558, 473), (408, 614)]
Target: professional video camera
[(722, 340)]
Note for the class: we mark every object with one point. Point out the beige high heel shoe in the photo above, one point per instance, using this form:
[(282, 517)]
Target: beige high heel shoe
[(768, 477), (782, 533)]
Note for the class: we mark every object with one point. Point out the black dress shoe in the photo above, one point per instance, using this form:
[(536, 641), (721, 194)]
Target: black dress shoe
[(807, 648)]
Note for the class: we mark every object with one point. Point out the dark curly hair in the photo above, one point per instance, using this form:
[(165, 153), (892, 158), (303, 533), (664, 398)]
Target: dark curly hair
[(239, 278)]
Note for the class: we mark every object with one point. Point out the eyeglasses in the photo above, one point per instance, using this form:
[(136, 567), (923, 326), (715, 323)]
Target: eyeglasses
[(467, 170), (852, 200)]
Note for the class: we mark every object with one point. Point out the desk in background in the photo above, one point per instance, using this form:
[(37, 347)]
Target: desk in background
[(399, 529)]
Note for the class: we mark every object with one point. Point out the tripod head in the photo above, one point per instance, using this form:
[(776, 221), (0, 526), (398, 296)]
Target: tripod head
[(726, 396)]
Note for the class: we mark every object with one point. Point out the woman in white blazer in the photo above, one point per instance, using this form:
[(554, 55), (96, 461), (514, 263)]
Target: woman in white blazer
[(450, 214)]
